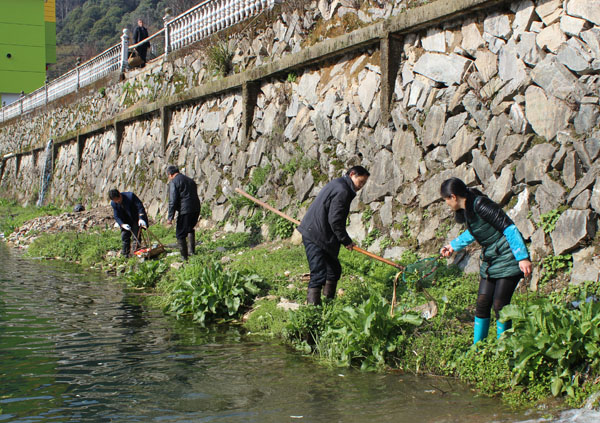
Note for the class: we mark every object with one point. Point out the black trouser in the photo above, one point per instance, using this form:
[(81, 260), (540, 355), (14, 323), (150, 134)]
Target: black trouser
[(495, 292), (126, 238), (185, 224), (323, 266), (142, 52)]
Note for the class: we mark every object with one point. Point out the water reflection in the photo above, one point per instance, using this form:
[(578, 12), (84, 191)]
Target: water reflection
[(75, 347)]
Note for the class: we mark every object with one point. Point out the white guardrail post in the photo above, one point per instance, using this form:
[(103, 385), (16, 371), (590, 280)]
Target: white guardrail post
[(124, 50), (77, 64), (166, 20)]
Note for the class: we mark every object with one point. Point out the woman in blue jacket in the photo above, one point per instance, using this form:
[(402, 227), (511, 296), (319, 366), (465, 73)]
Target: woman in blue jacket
[(504, 256)]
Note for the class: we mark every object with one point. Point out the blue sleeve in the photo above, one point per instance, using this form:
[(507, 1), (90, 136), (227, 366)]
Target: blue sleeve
[(462, 241), (517, 245)]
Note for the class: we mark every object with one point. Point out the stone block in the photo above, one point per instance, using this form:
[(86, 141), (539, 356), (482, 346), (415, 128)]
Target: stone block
[(434, 125), (595, 200), (584, 183), (549, 11), (572, 169), (486, 63), (501, 191), (572, 229), (582, 201), (523, 11), (497, 25), (520, 214), (528, 50), (586, 9), (447, 69), (549, 195), (451, 127), (472, 40), (462, 144), (508, 150), (434, 40), (430, 191), (550, 38), (534, 165), (497, 130), (483, 168), (572, 58), (586, 266), (547, 115)]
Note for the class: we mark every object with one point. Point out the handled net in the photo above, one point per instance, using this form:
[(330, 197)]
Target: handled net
[(417, 273)]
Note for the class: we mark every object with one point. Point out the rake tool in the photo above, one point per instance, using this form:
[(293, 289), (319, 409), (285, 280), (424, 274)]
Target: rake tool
[(420, 269)]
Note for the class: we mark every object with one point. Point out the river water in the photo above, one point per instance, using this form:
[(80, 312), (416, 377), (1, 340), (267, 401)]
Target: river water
[(76, 346)]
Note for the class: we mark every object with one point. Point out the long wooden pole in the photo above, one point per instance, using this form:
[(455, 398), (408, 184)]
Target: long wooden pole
[(297, 222)]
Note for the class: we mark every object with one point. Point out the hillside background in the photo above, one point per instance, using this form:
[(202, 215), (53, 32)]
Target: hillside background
[(87, 27)]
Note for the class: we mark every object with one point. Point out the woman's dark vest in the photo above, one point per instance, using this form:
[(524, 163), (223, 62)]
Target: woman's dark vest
[(497, 259)]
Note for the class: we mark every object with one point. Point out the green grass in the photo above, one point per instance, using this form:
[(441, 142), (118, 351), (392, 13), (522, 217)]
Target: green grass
[(356, 329), (13, 215), (87, 248)]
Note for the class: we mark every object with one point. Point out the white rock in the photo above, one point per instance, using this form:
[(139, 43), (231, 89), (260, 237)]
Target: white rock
[(551, 38), (367, 89), (307, 87), (497, 25), (571, 26), (487, 64), (435, 40), (586, 9), (546, 115), (448, 69), (471, 38), (592, 40), (523, 12), (549, 11), (572, 58)]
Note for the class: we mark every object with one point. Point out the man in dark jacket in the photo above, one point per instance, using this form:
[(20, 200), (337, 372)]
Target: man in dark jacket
[(183, 198), (130, 214), (323, 230), (141, 33)]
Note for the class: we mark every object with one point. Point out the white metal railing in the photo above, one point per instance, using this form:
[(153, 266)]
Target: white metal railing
[(199, 22)]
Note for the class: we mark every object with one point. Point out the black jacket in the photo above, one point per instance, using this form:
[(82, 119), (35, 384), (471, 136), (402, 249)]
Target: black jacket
[(183, 196), (325, 220), (130, 211), (140, 33)]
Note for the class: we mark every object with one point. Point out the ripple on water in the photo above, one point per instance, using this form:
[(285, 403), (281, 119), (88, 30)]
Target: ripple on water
[(76, 347)]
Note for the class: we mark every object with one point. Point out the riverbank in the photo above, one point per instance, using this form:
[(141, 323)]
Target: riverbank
[(262, 285)]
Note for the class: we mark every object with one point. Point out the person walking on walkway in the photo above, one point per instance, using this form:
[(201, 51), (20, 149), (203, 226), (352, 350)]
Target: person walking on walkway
[(183, 198), (130, 215), (504, 257), (140, 33), (323, 230)]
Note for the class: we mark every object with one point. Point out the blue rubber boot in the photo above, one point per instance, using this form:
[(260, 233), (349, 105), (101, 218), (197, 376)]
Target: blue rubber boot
[(480, 331), (501, 327)]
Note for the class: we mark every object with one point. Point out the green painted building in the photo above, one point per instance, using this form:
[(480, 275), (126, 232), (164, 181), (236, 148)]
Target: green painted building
[(27, 45)]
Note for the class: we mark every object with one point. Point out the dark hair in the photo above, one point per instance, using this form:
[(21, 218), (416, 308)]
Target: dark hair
[(172, 170), (459, 188), (358, 170), (454, 186), (114, 194)]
